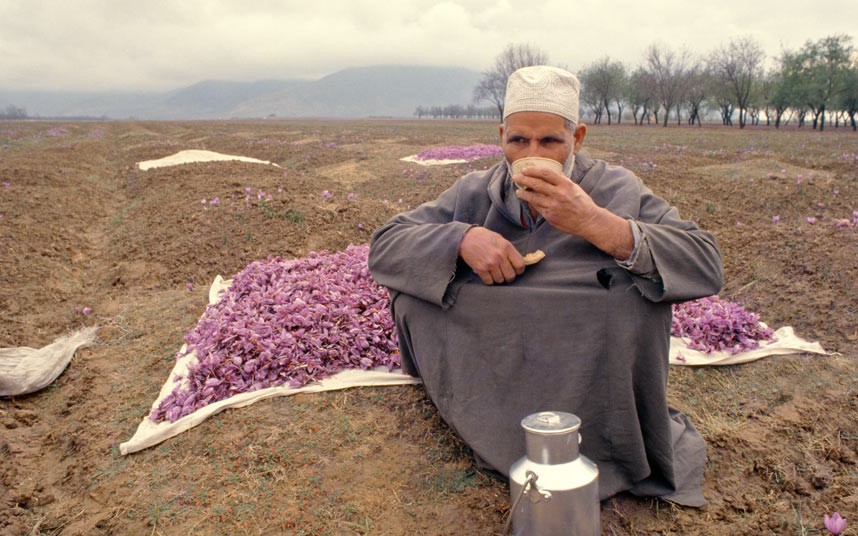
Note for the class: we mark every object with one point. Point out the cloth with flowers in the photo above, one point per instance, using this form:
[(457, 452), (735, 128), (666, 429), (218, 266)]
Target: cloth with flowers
[(785, 342), (150, 433)]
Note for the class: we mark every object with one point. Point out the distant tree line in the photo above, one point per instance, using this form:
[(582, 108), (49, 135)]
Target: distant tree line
[(456, 111), (818, 83), (13, 112)]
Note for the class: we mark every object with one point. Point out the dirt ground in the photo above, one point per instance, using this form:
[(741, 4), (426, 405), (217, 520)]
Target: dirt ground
[(81, 226)]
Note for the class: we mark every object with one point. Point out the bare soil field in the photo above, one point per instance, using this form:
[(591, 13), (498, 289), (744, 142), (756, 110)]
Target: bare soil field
[(82, 227)]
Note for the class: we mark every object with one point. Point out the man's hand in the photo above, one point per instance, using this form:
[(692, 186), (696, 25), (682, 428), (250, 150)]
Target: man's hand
[(568, 208), (491, 256)]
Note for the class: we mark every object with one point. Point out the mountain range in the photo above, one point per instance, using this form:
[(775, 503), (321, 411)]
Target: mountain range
[(374, 91)]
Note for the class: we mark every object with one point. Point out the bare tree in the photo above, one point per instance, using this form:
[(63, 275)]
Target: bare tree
[(699, 82), (641, 94), (739, 66), (604, 81), (669, 72), (590, 99), (492, 85)]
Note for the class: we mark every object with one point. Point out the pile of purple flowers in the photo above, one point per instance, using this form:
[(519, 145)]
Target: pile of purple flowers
[(457, 152), (711, 324), (286, 322)]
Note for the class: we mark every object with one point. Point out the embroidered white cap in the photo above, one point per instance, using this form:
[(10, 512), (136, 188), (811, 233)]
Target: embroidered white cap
[(542, 88)]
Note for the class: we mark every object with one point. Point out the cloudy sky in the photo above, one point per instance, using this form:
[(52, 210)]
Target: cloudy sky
[(167, 44)]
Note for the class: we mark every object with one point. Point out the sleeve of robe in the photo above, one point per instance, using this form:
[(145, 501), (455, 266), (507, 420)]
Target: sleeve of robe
[(417, 252), (675, 261)]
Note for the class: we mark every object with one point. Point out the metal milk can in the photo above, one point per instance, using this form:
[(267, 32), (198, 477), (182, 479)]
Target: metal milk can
[(554, 489)]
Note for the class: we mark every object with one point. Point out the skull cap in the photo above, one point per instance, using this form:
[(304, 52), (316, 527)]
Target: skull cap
[(542, 88)]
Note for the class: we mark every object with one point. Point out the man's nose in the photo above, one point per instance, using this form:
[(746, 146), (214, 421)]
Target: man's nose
[(535, 148)]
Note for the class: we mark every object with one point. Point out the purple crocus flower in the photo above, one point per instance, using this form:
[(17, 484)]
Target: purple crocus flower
[(835, 523)]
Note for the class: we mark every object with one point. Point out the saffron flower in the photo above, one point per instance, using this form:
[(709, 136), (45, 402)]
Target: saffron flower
[(835, 523), (190, 286), (7, 185), (811, 219), (327, 195), (776, 219)]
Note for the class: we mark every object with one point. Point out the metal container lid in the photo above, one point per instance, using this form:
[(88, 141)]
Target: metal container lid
[(551, 423)]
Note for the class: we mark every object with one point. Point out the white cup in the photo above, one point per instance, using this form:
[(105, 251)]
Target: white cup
[(535, 161)]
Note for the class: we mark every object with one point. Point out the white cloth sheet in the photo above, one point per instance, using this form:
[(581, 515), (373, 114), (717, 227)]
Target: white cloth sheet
[(150, 433), (196, 155)]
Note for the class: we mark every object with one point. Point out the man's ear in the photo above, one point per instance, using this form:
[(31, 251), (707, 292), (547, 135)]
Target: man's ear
[(500, 132), (579, 134)]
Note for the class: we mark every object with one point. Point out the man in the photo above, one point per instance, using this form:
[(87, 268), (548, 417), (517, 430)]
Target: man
[(586, 330)]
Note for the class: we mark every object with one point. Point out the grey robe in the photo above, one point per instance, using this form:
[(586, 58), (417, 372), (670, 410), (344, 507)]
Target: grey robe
[(575, 333)]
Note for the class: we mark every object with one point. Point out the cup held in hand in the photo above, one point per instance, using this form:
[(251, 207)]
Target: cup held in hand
[(535, 161)]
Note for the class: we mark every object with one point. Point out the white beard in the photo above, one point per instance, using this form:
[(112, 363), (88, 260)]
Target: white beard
[(569, 164)]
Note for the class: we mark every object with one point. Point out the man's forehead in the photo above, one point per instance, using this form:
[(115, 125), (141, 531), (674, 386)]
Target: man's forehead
[(536, 121)]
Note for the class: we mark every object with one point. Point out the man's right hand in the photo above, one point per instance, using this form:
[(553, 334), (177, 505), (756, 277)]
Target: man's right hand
[(491, 256)]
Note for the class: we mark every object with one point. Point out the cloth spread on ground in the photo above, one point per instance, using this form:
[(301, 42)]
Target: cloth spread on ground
[(26, 370), (150, 433), (444, 162), (195, 155), (786, 342)]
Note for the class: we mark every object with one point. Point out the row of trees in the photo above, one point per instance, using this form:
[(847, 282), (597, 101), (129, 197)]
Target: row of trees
[(13, 112), (455, 111), (819, 81)]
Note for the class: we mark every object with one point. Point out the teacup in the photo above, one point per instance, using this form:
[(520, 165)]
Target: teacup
[(535, 161)]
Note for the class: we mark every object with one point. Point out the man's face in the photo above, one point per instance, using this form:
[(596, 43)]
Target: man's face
[(539, 134)]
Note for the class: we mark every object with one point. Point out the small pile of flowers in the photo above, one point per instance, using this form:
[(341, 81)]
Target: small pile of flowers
[(711, 325), (458, 152), (286, 322)]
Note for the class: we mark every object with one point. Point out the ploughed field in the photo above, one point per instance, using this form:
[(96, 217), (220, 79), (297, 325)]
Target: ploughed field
[(83, 230)]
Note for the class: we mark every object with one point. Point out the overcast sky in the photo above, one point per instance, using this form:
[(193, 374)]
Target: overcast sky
[(168, 44)]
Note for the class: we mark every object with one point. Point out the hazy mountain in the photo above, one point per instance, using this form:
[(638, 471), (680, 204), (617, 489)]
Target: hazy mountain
[(393, 91), (367, 91)]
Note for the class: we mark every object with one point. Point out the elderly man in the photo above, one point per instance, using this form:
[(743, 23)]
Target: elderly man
[(586, 330)]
